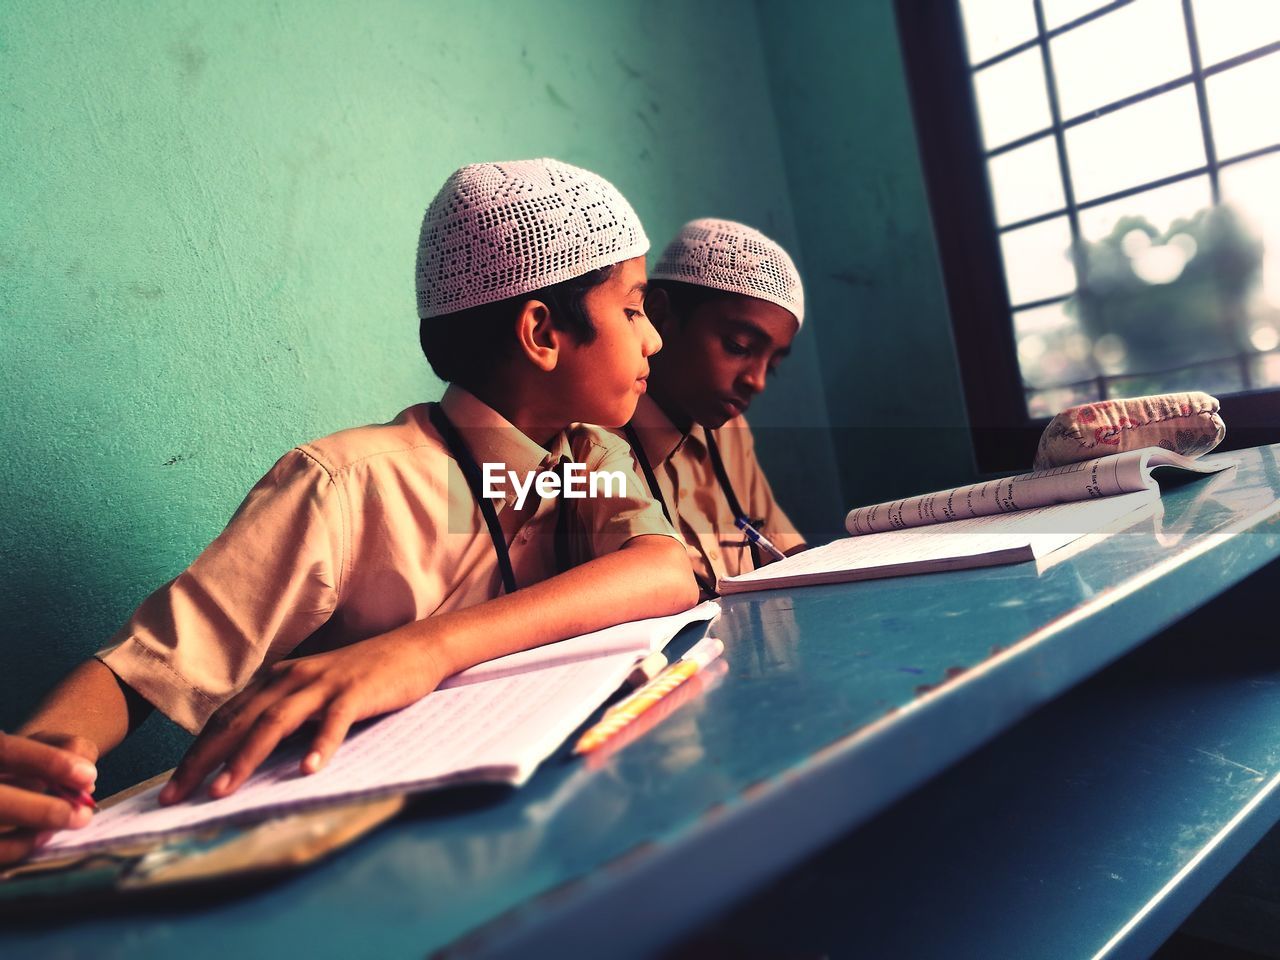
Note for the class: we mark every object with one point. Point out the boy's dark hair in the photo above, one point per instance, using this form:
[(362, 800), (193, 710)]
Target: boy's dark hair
[(686, 298), (462, 346)]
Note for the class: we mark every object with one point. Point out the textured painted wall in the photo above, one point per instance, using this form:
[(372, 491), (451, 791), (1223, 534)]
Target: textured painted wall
[(872, 274), (207, 238)]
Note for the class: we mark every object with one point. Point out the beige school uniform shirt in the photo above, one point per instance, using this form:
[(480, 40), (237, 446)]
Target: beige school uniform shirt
[(356, 534), (699, 509)]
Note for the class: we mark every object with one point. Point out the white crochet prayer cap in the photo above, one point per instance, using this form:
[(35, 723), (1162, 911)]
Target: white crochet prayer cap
[(497, 230), (733, 257)]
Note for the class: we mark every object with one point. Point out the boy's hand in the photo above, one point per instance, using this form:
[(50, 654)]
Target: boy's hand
[(338, 688), (29, 767)]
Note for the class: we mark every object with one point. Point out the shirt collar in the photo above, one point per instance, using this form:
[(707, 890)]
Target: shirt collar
[(658, 435), (492, 438), (696, 440)]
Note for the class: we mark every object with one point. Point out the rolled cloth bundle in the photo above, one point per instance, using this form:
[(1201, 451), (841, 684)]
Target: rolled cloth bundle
[(1186, 423)]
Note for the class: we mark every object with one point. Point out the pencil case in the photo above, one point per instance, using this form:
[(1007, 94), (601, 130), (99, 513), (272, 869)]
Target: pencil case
[(1186, 423)]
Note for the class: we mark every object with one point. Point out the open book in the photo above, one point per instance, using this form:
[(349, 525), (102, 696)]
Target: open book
[(1004, 521), (1101, 477), (494, 723)]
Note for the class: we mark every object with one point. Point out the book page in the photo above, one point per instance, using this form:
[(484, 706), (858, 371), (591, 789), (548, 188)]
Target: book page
[(497, 730), (638, 636), (1088, 480), (980, 541)]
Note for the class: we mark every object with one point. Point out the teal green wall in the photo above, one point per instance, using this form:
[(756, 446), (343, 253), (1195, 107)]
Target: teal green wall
[(871, 269), (207, 239)]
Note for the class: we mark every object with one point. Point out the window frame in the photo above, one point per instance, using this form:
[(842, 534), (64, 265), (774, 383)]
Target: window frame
[(953, 157)]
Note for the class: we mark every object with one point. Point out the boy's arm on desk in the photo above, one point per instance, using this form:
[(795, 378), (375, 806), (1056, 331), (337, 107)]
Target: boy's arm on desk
[(89, 712), (55, 751), (649, 576)]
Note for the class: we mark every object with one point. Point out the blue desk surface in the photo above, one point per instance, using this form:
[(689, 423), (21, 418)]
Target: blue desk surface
[(1091, 829), (838, 701)]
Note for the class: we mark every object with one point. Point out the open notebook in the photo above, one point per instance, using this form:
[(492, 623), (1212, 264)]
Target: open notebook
[(958, 545), (493, 723), (1010, 520)]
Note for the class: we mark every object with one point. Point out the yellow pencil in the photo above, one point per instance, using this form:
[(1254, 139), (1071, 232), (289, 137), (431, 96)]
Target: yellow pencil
[(623, 713)]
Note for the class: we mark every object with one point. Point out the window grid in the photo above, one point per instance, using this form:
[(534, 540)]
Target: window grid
[(1205, 72), (1046, 36), (1072, 209), (1202, 103)]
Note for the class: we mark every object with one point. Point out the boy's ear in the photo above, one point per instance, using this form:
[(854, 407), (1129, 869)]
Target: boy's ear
[(658, 306), (538, 338)]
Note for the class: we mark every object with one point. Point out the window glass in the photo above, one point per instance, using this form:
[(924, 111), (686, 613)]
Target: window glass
[(1244, 106), (1037, 261), (1225, 28), (1100, 62), (1161, 289), (994, 26), (1135, 145), (1055, 357), (1214, 376), (1159, 207), (1058, 12), (1012, 100), (1050, 402), (1253, 189), (1164, 307), (1027, 181)]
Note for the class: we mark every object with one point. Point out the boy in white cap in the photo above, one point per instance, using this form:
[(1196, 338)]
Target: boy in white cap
[(728, 302), (380, 552)]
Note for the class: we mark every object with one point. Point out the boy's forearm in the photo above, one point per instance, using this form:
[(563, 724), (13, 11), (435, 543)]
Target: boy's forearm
[(87, 703), (649, 577)]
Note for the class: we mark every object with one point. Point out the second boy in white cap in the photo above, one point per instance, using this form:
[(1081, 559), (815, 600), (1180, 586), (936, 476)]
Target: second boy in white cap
[(728, 302), (376, 552)]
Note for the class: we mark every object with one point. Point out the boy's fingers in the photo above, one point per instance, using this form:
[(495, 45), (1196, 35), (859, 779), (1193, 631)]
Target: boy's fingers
[(219, 737), (272, 725), (333, 730), (34, 811), (23, 756), (80, 746), (229, 725), (25, 783), (16, 845), (205, 754)]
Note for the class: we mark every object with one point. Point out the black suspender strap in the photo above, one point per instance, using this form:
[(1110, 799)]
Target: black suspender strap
[(471, 470), (708, 589), (647, 468), (717, 464)]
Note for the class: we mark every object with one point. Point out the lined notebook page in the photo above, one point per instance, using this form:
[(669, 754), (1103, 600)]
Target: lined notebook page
[(494, 731), (637, 636), (1006, 538)]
